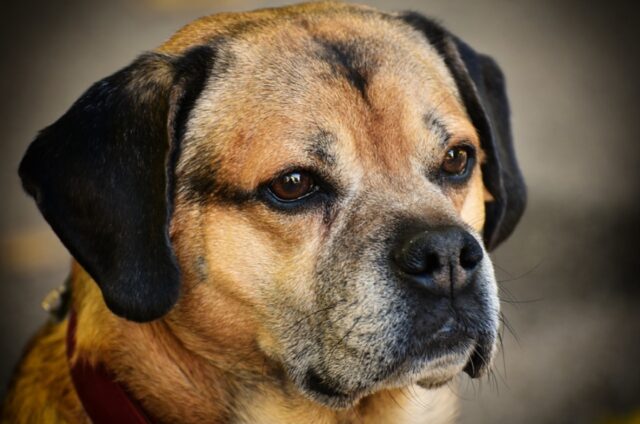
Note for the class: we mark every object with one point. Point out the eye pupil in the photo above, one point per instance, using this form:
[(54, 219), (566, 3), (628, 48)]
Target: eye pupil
[(292, 186)]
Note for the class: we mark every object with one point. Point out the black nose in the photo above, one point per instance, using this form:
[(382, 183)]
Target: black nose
[(441, 260)]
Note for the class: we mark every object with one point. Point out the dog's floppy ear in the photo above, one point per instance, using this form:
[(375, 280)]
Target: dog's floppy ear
[(482, 88), (102, 176)]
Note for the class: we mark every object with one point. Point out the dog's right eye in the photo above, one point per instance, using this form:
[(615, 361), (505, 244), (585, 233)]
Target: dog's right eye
[(293, 186)]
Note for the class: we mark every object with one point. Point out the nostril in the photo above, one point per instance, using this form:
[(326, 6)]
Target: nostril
[(471, 253), (411, 261), (416, 261), (431, 263)]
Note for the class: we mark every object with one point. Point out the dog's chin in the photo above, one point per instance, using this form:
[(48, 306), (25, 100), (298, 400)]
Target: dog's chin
[(431, 375), (430, 368)]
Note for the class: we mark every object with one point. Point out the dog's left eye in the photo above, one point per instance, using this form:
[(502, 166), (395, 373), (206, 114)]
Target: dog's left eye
[(457, 161), (293, 186)]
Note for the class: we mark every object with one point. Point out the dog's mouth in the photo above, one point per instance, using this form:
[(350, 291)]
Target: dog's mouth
[(430, 365), (320, 387), (324, 387)]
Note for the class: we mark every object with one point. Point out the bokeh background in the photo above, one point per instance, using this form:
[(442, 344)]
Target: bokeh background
[(569, 275)]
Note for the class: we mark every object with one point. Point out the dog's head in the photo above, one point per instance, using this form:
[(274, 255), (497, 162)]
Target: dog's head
[(323, 180)]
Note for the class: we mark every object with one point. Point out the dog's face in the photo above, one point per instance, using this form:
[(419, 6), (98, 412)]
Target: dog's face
[(316, 176)]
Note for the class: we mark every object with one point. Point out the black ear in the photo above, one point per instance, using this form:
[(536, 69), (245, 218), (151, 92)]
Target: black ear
[(482, 88), (102, 176)]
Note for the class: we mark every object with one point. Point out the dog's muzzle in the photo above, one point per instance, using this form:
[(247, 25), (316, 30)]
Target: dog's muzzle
[(431, 312), (441, 264)]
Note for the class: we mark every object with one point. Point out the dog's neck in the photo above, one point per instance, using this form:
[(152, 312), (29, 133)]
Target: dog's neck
[(175, 384)]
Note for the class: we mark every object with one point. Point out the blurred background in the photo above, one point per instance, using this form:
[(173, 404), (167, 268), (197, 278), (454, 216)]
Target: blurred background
[(569, 275)]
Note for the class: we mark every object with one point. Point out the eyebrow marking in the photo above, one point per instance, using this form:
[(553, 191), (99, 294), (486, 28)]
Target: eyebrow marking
[(320, 146), (438, 127), (346, 62), (202, 185)]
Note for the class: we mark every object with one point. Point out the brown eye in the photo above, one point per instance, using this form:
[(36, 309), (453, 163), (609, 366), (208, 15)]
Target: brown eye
[(456, 160), (292, 186)]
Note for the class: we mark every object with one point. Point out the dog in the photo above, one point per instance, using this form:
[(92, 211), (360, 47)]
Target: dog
[(280, 216)]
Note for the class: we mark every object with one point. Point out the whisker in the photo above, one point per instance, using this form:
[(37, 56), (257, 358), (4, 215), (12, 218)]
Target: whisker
[(505, 322), (520, 276), (393, 398), (496, 265), (507, 296), (335, 346)]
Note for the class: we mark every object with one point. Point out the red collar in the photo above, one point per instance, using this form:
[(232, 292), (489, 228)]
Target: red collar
[(104, 399)]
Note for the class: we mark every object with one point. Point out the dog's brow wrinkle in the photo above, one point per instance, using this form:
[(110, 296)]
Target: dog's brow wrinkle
[(320, 147), (233, 195), (438, 127), (199, 183), (345, 62), (202, 186)]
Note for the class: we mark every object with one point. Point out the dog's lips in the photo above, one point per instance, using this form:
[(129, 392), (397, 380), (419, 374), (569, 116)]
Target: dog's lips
[(326, 391), (322, 386), (473, 351), (479, 347), (448, 348), (481, 357)]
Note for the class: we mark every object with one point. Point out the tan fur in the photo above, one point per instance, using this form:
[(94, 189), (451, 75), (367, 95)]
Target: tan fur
[(42, 391), (214, 357)]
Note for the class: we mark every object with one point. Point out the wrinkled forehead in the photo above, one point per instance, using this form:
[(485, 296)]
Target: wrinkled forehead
[(339, 88)]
